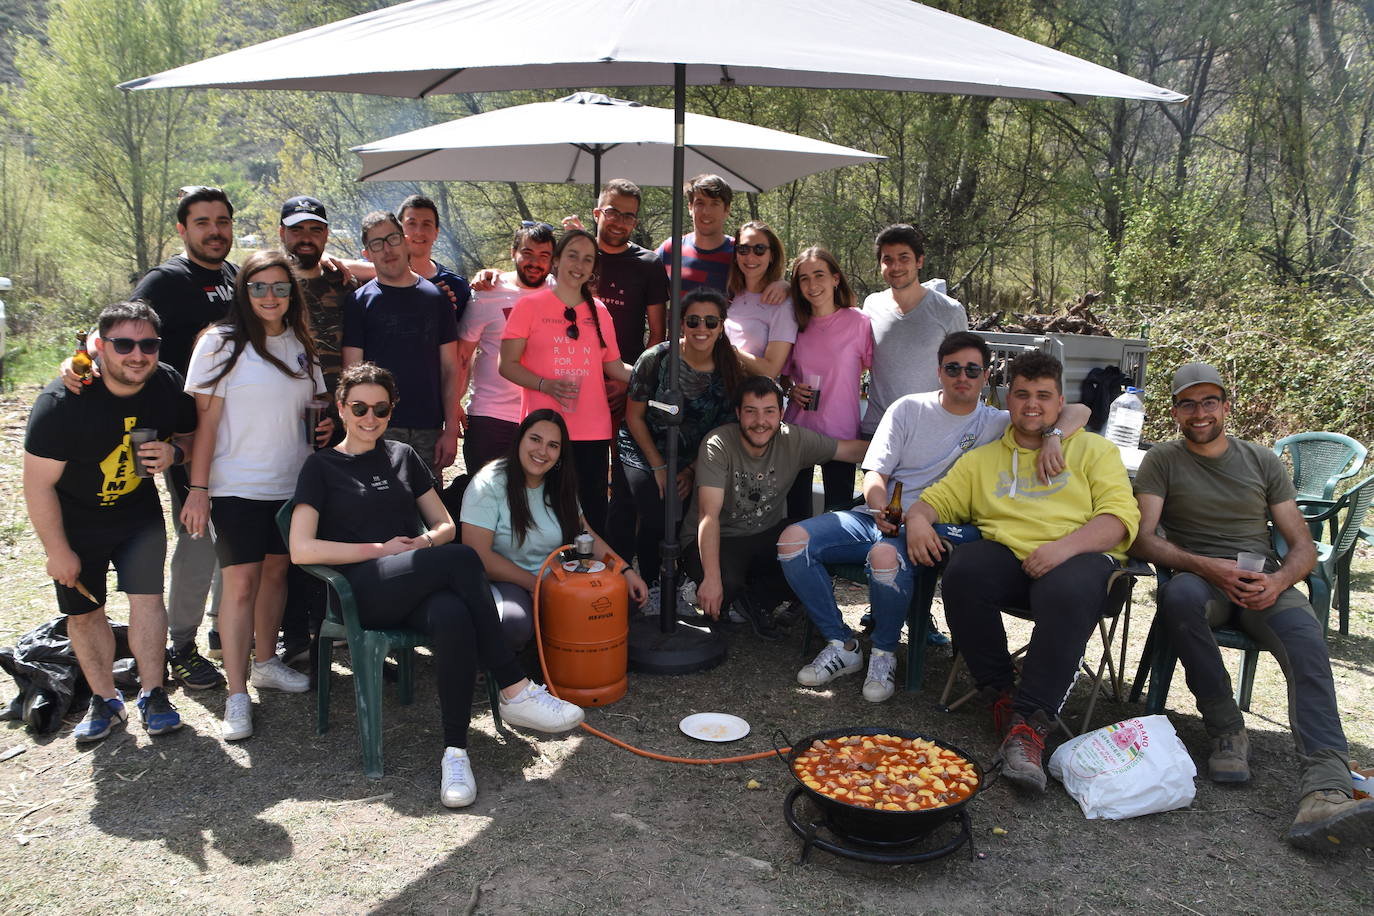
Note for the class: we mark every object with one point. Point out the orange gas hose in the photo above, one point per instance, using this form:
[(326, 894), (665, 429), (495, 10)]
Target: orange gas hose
[(553, 689)]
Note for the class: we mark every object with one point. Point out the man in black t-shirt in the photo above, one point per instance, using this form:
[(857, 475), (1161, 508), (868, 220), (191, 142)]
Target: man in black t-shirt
[(90, 508)]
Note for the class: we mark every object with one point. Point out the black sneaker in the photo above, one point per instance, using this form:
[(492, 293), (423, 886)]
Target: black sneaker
[(191, 670), (213, 649), (759, 619)]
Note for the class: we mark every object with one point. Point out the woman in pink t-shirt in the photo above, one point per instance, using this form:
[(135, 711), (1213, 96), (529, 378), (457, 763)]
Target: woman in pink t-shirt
[(762, 334), (559, 347), (834, 346)]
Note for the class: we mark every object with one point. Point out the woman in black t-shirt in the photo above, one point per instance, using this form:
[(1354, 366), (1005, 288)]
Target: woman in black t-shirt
[(359, 507)]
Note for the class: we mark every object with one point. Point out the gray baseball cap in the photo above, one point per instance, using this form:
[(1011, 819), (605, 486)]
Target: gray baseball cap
[(1190, 374)]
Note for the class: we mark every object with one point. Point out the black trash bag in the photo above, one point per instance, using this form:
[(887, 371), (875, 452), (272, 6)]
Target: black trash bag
[(49, 679)]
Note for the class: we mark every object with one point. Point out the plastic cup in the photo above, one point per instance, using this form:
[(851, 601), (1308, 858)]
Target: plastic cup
[(1250, 562), (813, 381), (137, 437), (315, 410), (576, 379)]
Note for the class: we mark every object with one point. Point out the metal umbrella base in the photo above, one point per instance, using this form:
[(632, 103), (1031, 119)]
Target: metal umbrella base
[(682, 650)]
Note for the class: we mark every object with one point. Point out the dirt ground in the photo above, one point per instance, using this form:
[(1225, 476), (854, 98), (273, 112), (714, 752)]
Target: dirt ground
[(285, 822)]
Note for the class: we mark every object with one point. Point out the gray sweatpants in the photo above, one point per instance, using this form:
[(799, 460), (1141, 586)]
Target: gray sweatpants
[(1191, 607), (195, 574)]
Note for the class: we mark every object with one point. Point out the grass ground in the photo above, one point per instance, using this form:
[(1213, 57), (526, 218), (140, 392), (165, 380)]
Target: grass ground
[(286, 822)]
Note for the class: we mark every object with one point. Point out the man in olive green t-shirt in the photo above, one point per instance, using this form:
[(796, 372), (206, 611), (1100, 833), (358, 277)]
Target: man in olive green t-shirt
[(1213, 496)]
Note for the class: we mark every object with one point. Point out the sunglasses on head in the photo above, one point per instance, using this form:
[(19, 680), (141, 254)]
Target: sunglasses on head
[(532, 223), (971, 370), (259, 290), (695, 321), (570, 316), (381, 410), (125, 345), (759, 249)]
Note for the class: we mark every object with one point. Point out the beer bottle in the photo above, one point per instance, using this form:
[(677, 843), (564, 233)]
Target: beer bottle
[(81, 360), (893, 512)]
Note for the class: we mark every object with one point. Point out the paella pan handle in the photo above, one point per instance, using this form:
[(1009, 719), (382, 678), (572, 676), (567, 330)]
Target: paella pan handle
[(781, 745)]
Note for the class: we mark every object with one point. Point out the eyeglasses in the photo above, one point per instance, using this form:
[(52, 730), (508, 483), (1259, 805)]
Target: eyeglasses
[(1206, 405), (695, 321), (125, 345), (570, 316), (971, 370), (612, 213), (760, 249), (258, 290), (381, 410), (393, 240), (531, 224)]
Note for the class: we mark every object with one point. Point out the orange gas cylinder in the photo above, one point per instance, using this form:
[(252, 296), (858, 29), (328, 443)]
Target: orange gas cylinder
[(584, 624)]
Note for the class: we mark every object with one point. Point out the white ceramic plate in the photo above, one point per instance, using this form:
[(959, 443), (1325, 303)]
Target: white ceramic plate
[(714, 726)]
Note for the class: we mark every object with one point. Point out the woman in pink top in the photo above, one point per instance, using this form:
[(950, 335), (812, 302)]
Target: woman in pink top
[(554, 347), (834, 346), (762, 334)]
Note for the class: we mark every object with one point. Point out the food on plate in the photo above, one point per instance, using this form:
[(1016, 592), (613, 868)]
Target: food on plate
[(886, 772)]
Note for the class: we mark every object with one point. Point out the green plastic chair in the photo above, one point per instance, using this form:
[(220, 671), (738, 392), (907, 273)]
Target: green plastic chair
[(368, 651), (1320, 462), (1332, 572)]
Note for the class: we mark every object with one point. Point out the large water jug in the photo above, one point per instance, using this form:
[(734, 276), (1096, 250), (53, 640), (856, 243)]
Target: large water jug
[(1125, 419)]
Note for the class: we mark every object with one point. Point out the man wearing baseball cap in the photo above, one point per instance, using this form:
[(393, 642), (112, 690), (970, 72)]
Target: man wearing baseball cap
[(1214, 497), (304, 233)]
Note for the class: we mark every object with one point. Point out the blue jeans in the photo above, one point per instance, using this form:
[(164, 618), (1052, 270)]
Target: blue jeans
[(850, 537)]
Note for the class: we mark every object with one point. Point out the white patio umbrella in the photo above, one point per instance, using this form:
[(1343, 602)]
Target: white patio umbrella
[(426, 47), (579, 138)]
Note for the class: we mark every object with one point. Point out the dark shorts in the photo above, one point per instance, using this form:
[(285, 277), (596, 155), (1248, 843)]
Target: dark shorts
[(245, 529), (137, 552)]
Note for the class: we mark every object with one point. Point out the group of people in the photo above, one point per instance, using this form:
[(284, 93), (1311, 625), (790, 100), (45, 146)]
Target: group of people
[(564, 356)]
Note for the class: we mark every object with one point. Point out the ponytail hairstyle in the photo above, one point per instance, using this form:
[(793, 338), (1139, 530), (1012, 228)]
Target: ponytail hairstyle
[(588, 286), (243, 327), (844, 296), (723, 352), (560, 482)]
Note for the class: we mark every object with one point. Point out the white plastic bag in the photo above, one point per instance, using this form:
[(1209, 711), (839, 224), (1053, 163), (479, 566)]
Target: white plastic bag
[(1137, 766)]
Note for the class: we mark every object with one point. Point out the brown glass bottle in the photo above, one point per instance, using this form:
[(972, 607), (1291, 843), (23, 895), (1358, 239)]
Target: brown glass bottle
[(81, 360), (893, 512)]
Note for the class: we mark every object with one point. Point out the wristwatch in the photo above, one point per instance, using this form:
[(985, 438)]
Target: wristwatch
[(1052, 432)]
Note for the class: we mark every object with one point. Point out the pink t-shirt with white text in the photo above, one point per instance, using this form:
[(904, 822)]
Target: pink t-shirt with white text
[(837, 347), (551, 353)]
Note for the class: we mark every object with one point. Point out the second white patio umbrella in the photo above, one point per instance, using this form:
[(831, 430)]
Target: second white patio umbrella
[(579, 138)]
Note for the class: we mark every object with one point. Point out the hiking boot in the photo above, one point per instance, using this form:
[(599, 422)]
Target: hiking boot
[(191, 670), (833, 661), (158, 713), (1230, 760), (213, 648), (457, 787), (881, 681), (100, 720), (1022, 751), (758, 618), (275, 675), (238, 718), (1329, 819), (536, 708)]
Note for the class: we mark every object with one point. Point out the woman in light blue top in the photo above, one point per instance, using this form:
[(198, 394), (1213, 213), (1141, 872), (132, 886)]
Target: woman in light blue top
[(515, 520)]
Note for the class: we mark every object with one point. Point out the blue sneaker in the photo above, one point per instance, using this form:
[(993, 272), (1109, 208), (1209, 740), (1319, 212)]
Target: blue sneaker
[(933, 635), (100, 720), (159, 715)]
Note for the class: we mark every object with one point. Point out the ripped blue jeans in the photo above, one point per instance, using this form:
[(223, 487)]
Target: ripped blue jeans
[(852, 537)]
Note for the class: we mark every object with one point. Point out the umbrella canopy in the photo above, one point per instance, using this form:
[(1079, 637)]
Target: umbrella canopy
[(575, 138), (426, 47)]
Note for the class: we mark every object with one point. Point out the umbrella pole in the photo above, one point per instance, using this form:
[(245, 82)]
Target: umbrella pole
[(673, 647)]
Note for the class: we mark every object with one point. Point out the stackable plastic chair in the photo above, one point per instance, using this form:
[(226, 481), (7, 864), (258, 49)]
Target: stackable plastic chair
[(1320, 462)]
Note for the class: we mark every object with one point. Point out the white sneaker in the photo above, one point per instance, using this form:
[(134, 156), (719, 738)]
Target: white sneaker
[(536, 708), (832, 662), (457, 786), (273, 673), (882, 676), (237, 723)]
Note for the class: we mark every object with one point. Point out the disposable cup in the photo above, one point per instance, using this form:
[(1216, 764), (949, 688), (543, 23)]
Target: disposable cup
[(137, 437), (315, 410), (1250, 562), (813, 381)]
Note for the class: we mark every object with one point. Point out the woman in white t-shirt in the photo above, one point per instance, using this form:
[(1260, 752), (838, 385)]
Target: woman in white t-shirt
[(762, 334), (253, 375), (515, 522)]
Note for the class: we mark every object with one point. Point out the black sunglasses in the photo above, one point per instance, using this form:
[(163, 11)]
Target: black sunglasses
[(381, 410), (570, 316), (972, 370), (125, 345), (758, 249), (695, 321), (258, 290), (531, 223)]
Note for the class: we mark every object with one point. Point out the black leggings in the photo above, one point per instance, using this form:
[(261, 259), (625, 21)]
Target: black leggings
[(442, 592), (837, 478), (592, 459)]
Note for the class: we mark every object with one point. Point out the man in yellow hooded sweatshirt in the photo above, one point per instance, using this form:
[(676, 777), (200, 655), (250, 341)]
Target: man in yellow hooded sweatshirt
[(1048, 548)]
